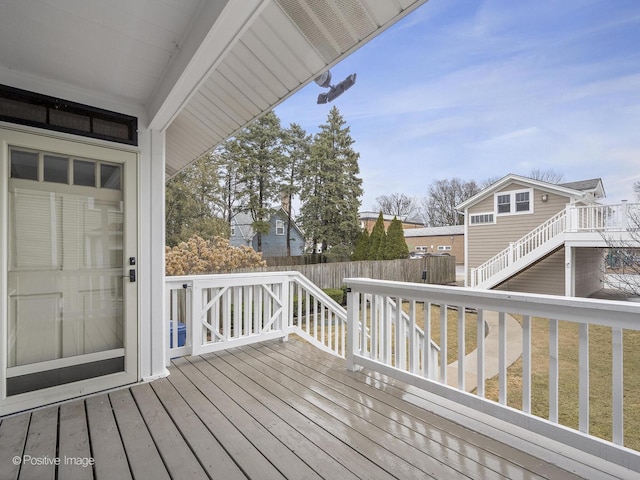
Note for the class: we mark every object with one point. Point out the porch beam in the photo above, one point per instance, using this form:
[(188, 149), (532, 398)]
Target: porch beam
[(213, 34)]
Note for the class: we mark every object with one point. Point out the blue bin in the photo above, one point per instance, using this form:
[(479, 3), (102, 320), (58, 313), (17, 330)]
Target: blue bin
[(182, 334)]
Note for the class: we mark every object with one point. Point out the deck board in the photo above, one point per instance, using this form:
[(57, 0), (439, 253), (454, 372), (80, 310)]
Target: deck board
[(388, 415), (144, 458), (213, 457), (13, 435), (273, 410), (74, 448), (178, 458), (309, 441), (415, 413), (107, 448), (363, 431), (265, 445), (41, 444)]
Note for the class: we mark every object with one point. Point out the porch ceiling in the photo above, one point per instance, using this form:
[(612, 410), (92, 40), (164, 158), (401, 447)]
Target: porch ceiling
[(201, 69), (280, 49)]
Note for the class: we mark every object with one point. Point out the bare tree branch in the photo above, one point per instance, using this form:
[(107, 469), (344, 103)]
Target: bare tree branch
[(398, 204)]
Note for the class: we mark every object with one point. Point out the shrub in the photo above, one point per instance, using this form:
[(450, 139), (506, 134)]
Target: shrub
[(209, 256), (336, 294)]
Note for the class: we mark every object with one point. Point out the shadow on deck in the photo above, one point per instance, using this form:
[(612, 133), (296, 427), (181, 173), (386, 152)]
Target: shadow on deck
[(270, 411)]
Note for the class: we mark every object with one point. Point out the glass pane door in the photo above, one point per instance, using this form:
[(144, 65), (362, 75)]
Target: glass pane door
[(66, 315)]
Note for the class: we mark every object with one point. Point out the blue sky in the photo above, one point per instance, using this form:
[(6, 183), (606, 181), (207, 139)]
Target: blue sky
[(480, 89)]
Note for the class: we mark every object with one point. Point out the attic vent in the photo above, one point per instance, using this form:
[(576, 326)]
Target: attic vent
[(331, 27), (28, 108)]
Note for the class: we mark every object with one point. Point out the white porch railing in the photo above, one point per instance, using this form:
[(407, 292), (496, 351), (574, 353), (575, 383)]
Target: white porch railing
[(548, 236), (390, 353), (207, 313)]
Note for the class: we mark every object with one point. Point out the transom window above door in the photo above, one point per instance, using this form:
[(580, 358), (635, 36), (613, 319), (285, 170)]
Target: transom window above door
[(54, 168)]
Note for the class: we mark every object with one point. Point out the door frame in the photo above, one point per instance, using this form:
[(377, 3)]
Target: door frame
[(128, 157)]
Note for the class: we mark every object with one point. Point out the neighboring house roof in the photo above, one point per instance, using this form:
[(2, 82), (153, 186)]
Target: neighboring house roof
[(593, 185), (244, 222), (402, 218), (434, 231), (577, 190)]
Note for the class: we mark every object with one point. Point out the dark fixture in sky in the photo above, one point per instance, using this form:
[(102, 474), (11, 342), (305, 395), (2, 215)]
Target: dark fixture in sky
[(324, 81)]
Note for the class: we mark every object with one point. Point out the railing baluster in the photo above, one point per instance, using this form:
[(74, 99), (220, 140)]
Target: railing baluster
[(443, 343), (426, 343), (365, 307), (583, 382), (480, 353), (617, 371), (502, 357), (461, 349), (308, 314), (375, 327), (526, 364), (387, 336), (322, 323), (413, 339), (553, 370)]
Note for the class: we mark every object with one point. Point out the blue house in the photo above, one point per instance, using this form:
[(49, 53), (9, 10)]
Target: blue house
[(274, 244)]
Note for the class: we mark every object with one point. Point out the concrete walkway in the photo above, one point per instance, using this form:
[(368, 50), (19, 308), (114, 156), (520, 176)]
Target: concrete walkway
[(491, 349)]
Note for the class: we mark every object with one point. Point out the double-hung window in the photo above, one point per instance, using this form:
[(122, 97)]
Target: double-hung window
[(504, 203), (522, 202), (279, 227), (514, 202)]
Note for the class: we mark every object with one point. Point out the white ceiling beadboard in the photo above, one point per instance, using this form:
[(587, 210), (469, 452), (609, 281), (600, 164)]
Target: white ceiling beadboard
[(118, 48), (286, 45), (200, 69)]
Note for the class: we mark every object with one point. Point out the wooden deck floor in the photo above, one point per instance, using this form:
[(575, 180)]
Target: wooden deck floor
[(270, 411)]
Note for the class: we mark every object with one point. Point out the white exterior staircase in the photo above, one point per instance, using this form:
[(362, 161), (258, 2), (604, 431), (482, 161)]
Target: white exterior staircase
[(551, 235)]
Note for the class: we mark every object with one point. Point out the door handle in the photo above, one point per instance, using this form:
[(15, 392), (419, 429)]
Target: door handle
[(131, 276)]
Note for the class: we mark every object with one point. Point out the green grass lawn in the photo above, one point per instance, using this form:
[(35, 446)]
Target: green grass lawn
[(600, 382)]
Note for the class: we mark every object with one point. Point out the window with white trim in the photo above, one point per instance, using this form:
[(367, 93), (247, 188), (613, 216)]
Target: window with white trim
[(279, 227), (482, 218), (514, 202), (421, 248), (233, 230), (504, 203), (444, 247), (522, 201)]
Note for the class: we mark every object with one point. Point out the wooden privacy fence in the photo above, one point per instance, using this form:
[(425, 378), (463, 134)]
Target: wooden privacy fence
[(441, 270)]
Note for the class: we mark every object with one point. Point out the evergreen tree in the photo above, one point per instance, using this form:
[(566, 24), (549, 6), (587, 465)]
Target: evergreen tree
[(362, 246), (376, 239), (258, 151), (382, 249), (331, 188), (192, 203), (296, 144), (396, 245)]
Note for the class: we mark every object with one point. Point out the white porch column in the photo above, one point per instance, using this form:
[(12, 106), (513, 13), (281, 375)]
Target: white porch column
[(153, 334), (569, 271)]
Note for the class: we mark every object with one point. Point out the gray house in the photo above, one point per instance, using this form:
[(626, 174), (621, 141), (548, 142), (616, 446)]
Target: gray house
[(274, 244)]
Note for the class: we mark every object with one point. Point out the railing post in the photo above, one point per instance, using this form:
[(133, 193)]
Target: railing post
[(624, 216), (196, 313), (510, 257), (352, 328), (286, 321), (569, 225)]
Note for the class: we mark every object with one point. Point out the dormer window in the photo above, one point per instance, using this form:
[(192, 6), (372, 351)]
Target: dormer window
[(514, 202), (504, 203)]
